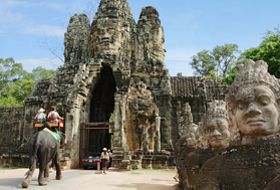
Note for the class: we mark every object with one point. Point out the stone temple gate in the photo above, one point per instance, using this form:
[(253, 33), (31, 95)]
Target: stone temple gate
[(114, 90)]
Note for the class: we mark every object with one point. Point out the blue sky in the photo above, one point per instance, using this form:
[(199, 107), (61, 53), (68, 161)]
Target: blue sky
[(29, 29)]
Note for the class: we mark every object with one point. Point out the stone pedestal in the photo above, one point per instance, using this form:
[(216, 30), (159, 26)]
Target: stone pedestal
[(117, 157), (160, 161), (65, 163), (136, 160), (147, 160), (125, 165)]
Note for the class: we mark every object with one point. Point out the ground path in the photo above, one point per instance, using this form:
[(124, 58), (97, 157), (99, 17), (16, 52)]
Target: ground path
[(92, 180)]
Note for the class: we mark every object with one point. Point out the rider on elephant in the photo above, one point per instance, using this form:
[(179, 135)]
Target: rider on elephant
[(53, 115), (40, 116)]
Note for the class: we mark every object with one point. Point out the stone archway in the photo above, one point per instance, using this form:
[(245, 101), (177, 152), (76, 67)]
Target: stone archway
[(102, 102), (101, 108)]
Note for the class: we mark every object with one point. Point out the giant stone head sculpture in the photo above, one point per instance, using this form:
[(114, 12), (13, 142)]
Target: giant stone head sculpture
[(253, 100)]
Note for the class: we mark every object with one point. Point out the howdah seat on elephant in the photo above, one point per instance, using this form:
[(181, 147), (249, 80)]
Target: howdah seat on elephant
[(59, 124)]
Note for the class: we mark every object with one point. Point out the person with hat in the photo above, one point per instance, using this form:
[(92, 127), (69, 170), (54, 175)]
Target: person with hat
[(40, 116), (110, 158), (105, 157)]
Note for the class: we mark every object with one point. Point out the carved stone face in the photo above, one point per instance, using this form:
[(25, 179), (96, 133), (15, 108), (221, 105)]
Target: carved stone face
[(108, 37), (256, 111), (217, 133), (192, 135)]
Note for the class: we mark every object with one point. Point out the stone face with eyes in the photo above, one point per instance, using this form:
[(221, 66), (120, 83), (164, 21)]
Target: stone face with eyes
[(215, 126), (217, 133), (256, 112)]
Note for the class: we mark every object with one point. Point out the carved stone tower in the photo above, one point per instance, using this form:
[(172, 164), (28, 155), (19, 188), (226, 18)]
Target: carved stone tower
[(114, 90), (114, 70)]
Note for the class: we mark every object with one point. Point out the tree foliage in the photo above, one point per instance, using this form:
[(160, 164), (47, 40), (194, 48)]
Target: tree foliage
[(229, 78), (40, 73), (269, 51), (215, 63), (9, 72), (16, 83)]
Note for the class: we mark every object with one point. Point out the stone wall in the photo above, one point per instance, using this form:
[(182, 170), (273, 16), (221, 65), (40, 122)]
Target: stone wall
[(12, 151), (11, 126), (195, 91)]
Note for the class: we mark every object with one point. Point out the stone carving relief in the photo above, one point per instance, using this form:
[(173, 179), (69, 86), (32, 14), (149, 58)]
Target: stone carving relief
[(184, 117), (143, 113), (111, 29), (150, 36), (76, 40), (105, 39)]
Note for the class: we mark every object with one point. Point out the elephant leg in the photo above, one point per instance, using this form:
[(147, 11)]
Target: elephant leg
[(29, 173), (41, 179), (43, 165), (57, 167), (46, 172)]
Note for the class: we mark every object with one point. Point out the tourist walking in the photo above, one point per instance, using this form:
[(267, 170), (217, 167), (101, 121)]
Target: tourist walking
[(105, 157), (110, 158)]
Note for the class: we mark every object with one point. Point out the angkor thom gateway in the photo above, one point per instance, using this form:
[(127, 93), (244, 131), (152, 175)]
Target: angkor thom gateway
[(114, 91)]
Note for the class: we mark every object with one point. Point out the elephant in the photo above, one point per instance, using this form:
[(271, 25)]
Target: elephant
[(44, 148)]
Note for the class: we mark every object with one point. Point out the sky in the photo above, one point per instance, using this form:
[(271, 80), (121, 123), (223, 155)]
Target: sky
[(31, 31)]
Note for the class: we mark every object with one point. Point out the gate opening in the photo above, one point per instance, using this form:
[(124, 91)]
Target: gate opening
[(95, 134)]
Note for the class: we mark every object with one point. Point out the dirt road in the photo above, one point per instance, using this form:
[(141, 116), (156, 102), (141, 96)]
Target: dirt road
[(93, 180)]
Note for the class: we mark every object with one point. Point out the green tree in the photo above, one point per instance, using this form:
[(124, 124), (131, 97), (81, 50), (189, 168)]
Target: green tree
[(269, 51), (9, 102), (229, 78), (203, 63), (16, 84), (10, 71), (215, 63), (20, 89), (40, 73)]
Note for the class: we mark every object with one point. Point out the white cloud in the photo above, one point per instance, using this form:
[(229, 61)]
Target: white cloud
[(21, 3), (31, 63), (37, 3), (11, 20), (46, 30), (7, 16)]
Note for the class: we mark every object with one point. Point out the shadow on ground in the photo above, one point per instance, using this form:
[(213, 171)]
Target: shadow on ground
[(10, 182)]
